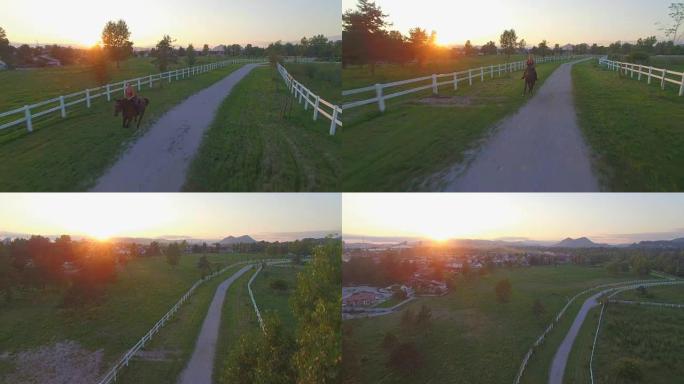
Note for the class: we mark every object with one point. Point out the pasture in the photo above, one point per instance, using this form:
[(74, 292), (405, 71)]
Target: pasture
[(420, 136), (633, 129), (258, 142), (71, 154), (144, 290), (470, 332)]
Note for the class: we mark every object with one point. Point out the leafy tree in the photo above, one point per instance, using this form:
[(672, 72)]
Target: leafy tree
[(407, 317), (98, 63), (192, 54), (469, 50), (115, 39), (509, 42), (25, 55), (204, 265), (164, 54), (640, 265), (523, 45), (544, 48), (489, 48), (5, 48), (677, 16), (205, 50), (173, 254), (154, 249), (317, 304), (503, 291), (363, 31), (8, 274), (424, 315), (557, 49)]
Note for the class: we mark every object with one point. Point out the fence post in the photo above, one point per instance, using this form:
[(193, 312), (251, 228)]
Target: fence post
[(333, 124), (88, 97), (434, 84), (481, 74), (455, 81), (125, 84), (159, 79), (27, 114), (306, 102), (681, 87), (318, 102), (138, 84), (640, 70), (662, 80), (62, 106), (381, 100), (109, 95), (470, 76), (491, 71), (650, 72)]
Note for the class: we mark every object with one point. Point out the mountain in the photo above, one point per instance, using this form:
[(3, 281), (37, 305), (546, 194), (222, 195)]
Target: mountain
[(582, 242), (246, 239), (676, 243)]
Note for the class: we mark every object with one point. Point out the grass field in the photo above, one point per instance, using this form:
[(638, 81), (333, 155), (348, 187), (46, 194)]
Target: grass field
[(471, 332), (270, 300), (674, 63), (414, 139), (21, 87), (126, 314), (250, 147), (71, 154), (651, 335), (633, 129)]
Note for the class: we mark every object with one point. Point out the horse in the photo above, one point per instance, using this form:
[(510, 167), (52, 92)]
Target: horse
[(131, 110), (530, 77)]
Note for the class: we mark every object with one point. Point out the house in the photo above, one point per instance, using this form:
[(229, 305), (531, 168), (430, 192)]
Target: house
[(3, 65), (428, 287), (569, 48), (218, 50), (360, 299)]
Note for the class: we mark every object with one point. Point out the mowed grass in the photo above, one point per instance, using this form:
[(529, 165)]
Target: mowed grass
[(325, 79), (672, 62), (22, 87), (634, 130), (673, 294), (403, 148), (144, 291), (271, 300), (472, 337), (361, 76), (251, 147), (71, 154)]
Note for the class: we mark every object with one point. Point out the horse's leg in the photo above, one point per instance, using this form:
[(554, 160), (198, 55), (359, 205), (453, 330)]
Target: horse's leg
[(140, 117)]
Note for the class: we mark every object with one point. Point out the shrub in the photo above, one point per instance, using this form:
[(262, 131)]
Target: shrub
[(389, 341)]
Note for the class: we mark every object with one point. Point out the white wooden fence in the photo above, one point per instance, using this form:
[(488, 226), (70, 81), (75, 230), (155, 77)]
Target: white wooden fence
[(28, 113), (641, 71), (435, 81), (303, 94), (251, 295), (113, 373)]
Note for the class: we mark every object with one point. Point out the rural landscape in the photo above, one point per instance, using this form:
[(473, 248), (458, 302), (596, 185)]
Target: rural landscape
[(96, 306), (433, 105), (259, 113), (482, 299)]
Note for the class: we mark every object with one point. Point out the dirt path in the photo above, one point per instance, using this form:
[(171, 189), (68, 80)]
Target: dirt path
[(201, 365), (159, 160), (539, 149)]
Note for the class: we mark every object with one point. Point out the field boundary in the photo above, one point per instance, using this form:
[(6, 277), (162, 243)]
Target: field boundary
[(434, 81), (251, 295), (304, 94), (641, 71), (61, 103), (113, 373)]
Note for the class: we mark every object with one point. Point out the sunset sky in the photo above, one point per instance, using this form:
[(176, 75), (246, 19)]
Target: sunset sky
[(202, 216), (608, 218), (558, 21), (214, 22)]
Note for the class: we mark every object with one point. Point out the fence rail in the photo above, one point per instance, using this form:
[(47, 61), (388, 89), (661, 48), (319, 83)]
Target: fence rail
[(303, 94), (60, 104), (113, 373), (435, 81), (663, 75), (251, 295)]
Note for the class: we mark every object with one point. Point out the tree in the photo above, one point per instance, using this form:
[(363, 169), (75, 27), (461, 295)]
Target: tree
[(544, 48), (316, 304), (5, 48), (640, 265), (25, 55), (8, 274), (190, 52), (407, 317), (205, 50), (164, 54), (173, 254), (204, 265), (363, 31), (523, 45), (489, 48), (469, 50), (154, 249), (503, 291), (115, 39), (557, 49), (538, 308), (509, 42), (677, 16)]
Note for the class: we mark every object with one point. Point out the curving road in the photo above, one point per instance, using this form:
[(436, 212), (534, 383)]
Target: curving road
[(159, 160), (201, 366), (539, 149)]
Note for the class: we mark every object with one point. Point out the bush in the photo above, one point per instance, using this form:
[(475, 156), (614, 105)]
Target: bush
[(389, 341), (538, 308)]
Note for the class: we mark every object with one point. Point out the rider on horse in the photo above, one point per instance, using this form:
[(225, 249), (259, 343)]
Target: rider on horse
[(132, 96)]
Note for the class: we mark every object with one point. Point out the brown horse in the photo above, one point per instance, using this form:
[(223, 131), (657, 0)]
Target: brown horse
[(530, 77), (131, 109)]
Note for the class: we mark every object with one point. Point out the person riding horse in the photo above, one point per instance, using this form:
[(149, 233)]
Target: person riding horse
[(530, 74), (132, 96)]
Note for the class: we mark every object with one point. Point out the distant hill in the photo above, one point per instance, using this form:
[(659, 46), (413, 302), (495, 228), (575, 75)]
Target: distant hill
[(246, 239), (582, 242), (676, 243)]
